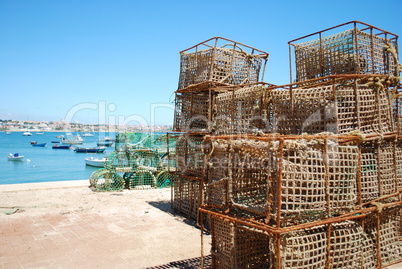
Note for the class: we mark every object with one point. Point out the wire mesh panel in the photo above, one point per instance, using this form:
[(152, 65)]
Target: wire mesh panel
[(242, 110), (397, 105), (140, 179), (305, 248), (347, 243), (380, 168), (147, 159), (368, 50), (384, 229), (348, 246), (242, 168), (317, 181), (398, 159), (303, 179), (337, 107), (193, 112), (369, 174), (186, 192), (221, 60), (121, 161), (164, 179), (238, 246), (387, 168), (106, 180), (341, 245), (190, 155)]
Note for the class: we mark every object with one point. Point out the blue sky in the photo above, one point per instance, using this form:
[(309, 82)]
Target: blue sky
[(96, 61)]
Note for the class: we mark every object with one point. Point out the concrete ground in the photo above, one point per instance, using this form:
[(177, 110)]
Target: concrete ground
[(67, 225)]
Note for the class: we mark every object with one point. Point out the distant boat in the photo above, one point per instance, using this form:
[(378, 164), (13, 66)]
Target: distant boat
[(55, 141), (91, 161), (86, 134), (35, 144), (56, 146), (60, 136), (8, 132), (90, 150), (15, 157), (77, 141), (105, 143), (26, 133), (107, 139), (40, 133)]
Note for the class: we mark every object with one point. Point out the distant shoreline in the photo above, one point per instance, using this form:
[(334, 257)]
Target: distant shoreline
[(44, 185), (63, 131)]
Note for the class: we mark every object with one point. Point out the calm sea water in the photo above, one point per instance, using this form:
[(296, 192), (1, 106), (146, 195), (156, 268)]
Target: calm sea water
[(45, 164)]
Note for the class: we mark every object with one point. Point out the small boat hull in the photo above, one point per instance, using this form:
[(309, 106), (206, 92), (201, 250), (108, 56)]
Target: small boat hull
[(91, 161), (71, 142), (105, 143), (60, 147), (90, 150), (35, 144), (15, 157)]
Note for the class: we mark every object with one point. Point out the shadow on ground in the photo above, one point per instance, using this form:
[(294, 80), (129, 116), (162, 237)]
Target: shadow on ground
[(193, 263), (165, 206)]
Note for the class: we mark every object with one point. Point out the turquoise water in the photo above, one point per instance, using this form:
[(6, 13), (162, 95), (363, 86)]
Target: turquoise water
[(45, 164)]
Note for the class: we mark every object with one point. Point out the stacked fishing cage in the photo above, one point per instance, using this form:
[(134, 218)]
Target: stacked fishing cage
[(305, 175), (139, 161), (210, 64)]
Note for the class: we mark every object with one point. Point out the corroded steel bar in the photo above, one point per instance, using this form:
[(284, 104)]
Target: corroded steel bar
[(277, 230), (279, 190), (216, 38), (343, 24)]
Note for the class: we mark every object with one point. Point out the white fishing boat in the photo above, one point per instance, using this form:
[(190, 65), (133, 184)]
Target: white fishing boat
[(77, 140), (8, 132), (27, 133), (15, 157), (87, 134), (91, 161)]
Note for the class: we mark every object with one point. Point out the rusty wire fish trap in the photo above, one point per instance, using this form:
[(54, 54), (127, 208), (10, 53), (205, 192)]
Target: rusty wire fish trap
[(367, 238), (190, 154), (186, 195), (361, 49), (284, 180), (194, 108), (242, 109), (340, 104), (288, 180), (221, 60)]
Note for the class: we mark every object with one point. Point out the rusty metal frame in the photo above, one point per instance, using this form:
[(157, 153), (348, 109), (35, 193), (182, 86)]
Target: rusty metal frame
[(363, 27)]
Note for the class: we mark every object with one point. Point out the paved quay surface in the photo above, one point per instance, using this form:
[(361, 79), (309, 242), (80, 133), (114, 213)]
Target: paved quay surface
[(67, 225)]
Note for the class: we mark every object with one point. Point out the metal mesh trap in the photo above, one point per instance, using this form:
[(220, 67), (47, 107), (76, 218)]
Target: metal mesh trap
[(368, 238), (363, 49), (288, 180), (221, 60), (186, 195), (106, 180), (341, 105)]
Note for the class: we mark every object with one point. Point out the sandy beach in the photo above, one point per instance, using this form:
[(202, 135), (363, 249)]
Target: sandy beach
[(67, 225)]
